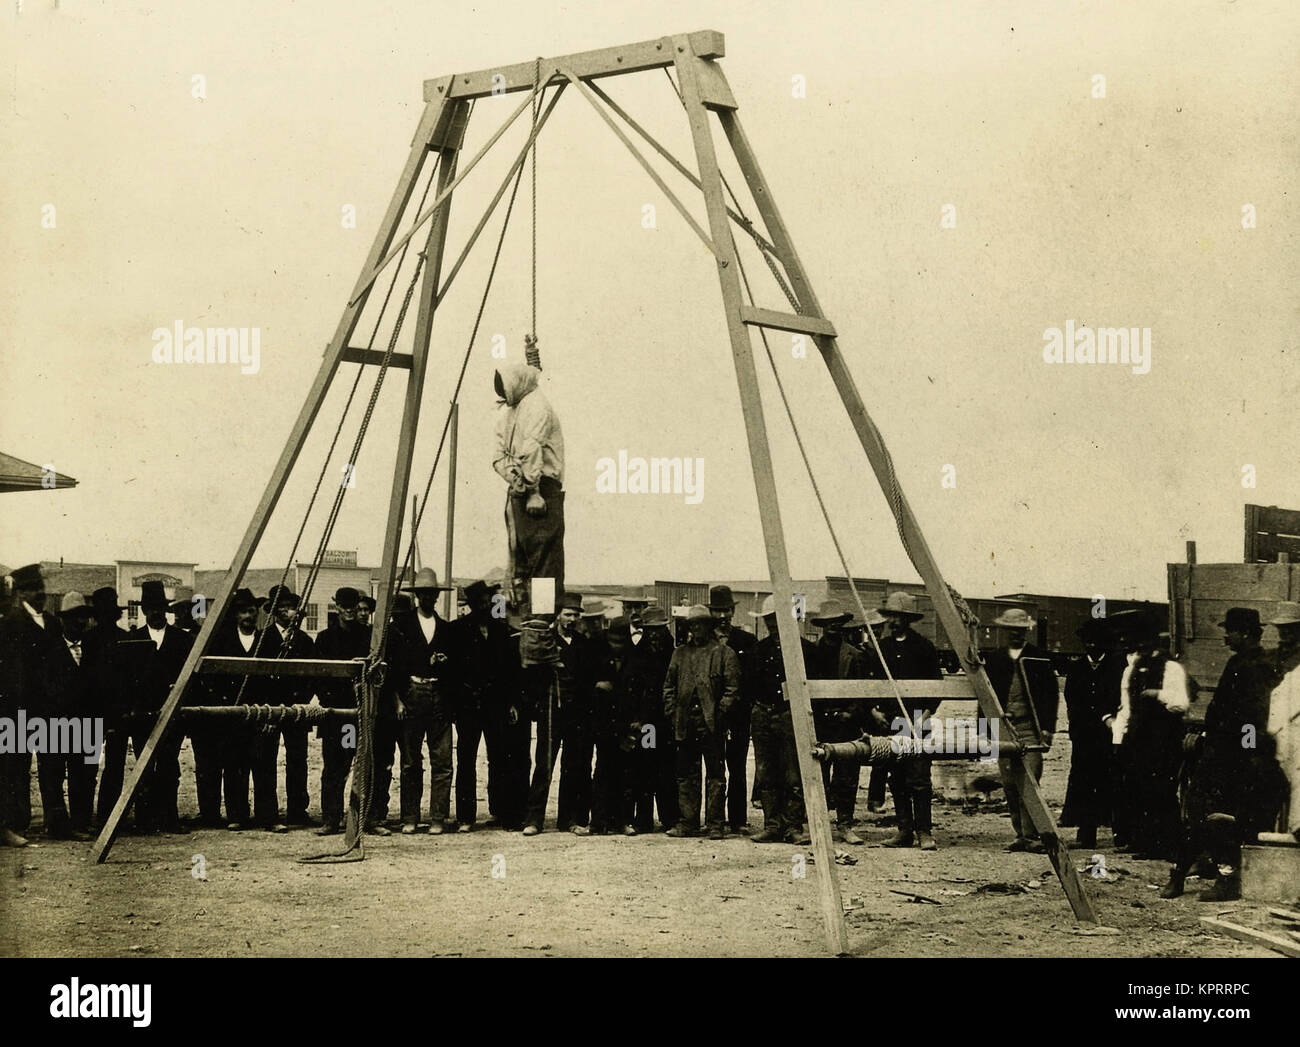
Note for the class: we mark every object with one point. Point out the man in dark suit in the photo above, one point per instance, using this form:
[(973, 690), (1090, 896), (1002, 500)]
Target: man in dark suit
[(763, 675), (285, 640), (564, 697), (839, 720), (157, 651), (1092, 697), (103, 660), (246, 749), (722, 605), (910, 656), (422, 682), (655, 759), (346, 640), (29, 640), (1025, 683), (487, 708), (67, 696)]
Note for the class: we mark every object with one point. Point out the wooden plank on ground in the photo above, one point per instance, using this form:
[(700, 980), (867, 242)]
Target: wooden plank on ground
[(1254, 937)]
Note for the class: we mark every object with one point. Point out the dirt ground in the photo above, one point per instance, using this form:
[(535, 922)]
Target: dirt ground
[(491, 893)]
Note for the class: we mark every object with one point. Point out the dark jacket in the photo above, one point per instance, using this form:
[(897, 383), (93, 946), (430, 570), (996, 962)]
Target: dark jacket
[(912, 657), (343, 645), (223, 689), (1092, 693), (647, 665), (709, 671), (489, 680), (763, 670), (411, 656), (101, 653), (26, 651), (154, 669), (842, 661), (1037, 677), (67, 682)]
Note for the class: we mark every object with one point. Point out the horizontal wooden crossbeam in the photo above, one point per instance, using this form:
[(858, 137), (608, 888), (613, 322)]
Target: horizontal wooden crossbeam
[(757, 317), (355, 355), (949, 689), (280, 666), (608, 61)]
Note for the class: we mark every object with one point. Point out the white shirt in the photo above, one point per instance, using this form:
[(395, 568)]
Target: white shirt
[(636, 637), (1015, 653), (37, 617), (156, 635), (566, 639), (246, 642), (1173, 696), (427, 625)]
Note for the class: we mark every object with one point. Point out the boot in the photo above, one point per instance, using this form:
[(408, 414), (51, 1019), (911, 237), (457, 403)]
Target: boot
[(1086, 837), (769, 834), (902, 838), (846, 833), (927, 842), (9, 838), (1174, 888), (799, 835), (1227, 888)]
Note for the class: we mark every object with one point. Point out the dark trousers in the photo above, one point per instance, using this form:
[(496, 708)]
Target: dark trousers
[(414, 732), (507, 756), (52, 772), (296, 798), (209, 745), (737, 754), (909, 782), (662, 772), (575, 772), (15, 791), (776, 767), (1020, 820), (155, 797), (567, 736), (709, 746), (263, 754), (116, 739), (235, 755), (472, 726), (877, 783), (613, 788), (839, 779), (336, 761), (385, 745)]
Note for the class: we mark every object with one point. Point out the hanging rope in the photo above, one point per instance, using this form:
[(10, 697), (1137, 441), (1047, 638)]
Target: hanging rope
[(532, 355)]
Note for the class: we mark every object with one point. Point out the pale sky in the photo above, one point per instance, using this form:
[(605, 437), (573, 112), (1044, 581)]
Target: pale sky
[(1122, 211)]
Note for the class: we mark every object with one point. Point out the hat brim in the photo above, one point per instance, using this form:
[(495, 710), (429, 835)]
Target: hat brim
[(841, 618), (426, 588), (911, 616)]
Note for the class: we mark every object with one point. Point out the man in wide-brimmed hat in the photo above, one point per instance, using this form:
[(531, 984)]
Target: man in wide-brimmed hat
[(1284, 705), (102, 655), (1092, 690), (1025, 682), (422, 681), (343, 641), (488, 708), (285, 639), (1235, 786), (700, 687), (838, 720), (910, 656), (776, 759), (722, 605)]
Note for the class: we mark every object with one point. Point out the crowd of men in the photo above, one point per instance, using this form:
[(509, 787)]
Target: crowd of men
[(628, 715)]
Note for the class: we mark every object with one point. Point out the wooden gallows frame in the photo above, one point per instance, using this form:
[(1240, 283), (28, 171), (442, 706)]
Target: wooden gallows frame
[(703, 90)]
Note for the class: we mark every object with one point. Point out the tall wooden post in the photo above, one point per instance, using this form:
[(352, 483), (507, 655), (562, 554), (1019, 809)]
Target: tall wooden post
[(760, 454), (450, 608)]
